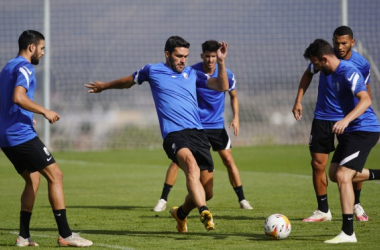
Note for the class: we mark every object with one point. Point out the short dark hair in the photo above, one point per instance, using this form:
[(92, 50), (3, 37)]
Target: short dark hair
[(175, 41), (210, 45), (318, 48), (343, 30), (29, 37)]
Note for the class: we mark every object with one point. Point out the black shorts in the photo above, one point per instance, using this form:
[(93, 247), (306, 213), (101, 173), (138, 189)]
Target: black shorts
[(193, 139), (353, 149), (322, 139), (31, 156), (218, 139)]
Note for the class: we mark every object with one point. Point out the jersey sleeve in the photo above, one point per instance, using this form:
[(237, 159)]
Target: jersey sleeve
[(356, 82), (201, 79), (142, 74), (366, 73), (24, 74), (231, 80)]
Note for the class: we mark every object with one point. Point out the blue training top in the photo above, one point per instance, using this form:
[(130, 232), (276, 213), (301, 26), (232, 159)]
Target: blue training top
[(16, 124), (327, 107), (174, 95), (211, 102), (347, 82)]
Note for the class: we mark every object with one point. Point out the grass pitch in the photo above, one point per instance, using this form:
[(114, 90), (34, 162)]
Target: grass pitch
[(110, 196)]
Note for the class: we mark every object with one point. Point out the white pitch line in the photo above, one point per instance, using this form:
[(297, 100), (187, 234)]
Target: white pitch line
[(95, 244)]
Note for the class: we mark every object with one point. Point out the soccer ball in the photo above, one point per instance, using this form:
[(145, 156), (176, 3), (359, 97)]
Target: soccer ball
[(277, 226)]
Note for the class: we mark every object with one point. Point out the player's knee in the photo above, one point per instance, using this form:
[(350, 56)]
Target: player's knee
[(318, 166), (342, 177)]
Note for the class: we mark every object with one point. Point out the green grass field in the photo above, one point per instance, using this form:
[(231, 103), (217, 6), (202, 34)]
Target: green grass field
[(110, 196)]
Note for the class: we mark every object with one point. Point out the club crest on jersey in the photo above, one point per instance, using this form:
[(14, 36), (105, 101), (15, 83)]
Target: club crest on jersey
[(46, 151), (185, 75)]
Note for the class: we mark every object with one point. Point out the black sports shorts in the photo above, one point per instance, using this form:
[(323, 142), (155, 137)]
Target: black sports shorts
[(321, 137), (353, 149), (218, 139), (31, 156), (193, 139)]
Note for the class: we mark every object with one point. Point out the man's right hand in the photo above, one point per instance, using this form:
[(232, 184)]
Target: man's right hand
[(297, 111)]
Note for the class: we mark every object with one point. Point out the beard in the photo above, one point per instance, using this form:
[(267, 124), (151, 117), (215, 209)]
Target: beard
[(34, 59), (174, 67)]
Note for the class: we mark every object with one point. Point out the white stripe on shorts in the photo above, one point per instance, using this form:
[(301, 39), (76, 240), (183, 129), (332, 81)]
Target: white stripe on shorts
[(349, 158)]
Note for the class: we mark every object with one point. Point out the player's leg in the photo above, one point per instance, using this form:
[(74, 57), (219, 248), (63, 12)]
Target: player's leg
[(234, 177), (28, 197), (207, 180), (54, 177), (344, 178), (351, 153), (21, 163), (196, 196), (359, 212), (171, 177), (220, 141), (320, 145), (194, 186)]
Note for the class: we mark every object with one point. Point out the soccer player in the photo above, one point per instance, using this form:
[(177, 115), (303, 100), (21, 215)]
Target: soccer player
[(21, 145), (211, 105), (326, 113), (359, 129), (173, 86)]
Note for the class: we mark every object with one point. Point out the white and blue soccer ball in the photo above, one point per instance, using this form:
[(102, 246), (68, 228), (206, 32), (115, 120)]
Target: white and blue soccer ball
[(277, 226)]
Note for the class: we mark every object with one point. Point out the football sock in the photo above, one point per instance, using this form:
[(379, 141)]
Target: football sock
[(322, 203), (357, 196), (240, 193), (374, 174), (165, 191), (24, 224), (181, 214), (203, 208), (348, 224), (63, 226)]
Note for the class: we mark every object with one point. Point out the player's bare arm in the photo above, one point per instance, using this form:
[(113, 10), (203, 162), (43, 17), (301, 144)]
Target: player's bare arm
[(234, 101), (220, 83), (22, 100), (303, 86), (369, 90), (363, 104), (122, 83)]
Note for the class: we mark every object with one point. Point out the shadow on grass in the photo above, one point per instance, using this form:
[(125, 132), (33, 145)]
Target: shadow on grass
[(177, 236), (112, 207), (165, 214), (167, 234)]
